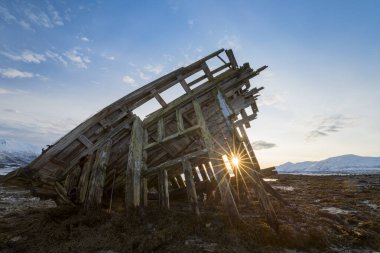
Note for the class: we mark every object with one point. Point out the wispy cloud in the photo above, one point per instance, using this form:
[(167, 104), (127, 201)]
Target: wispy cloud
[(190, 23), (14, 73), (77, 58), (5, 91), (84, 38), (26, 56), (155, 69), (55, 57), (39, 17), (258, 145), (230, 41), (328, 125), (6, 15), (129, 80)]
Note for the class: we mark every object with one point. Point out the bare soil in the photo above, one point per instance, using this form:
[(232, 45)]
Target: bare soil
[(325, 214)]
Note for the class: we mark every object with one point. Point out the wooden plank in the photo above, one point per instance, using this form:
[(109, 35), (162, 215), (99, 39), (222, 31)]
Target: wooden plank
[(184, 84), (134, 165), (85, 176), (179, 118), (163, 189), (190, 186), (160, 130), (158, 97), (85, 141), (220, 171), (231, 58), (62, 194), (207, 71), (95, 191), (172, 137), (144, 191), (245, 119)]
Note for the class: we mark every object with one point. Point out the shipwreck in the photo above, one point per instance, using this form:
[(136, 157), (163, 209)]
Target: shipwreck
[(194, 148)]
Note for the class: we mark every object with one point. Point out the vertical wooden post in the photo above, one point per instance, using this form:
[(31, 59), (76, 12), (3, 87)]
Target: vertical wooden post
[(84, 178), (144, 192), (163, 189), (190, 186), (144, 180), (95, 191), (134, 165), (219, 169)]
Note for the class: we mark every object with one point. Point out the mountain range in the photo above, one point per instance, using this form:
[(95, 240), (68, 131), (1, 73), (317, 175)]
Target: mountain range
[(14, 154), (345, 164)]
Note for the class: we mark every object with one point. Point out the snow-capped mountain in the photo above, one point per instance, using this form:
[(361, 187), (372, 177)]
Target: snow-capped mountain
[(345, 164), (14, 154)]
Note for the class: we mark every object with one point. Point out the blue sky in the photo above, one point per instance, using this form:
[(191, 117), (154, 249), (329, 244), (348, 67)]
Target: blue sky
[(61, 62)]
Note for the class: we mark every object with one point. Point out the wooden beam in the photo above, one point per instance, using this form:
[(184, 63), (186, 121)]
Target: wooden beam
[(163, 189), (85, 141), (179, 118), (144, 192), (95, 192), (160, 130), (231, 58), (84, 178), (190, 186), (207, 71), (134, 165), (159, 98), (220, 171), (184, 84)]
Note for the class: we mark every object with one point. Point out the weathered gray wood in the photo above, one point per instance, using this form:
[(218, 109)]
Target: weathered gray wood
[(179, 118), (85, 177), (184, 84), (220, 171), (163, 189), (134, 165), (144, 191), (231, 58), (95, 191), (207, 71), (159, 98), (160, 130), (85, 141), (190, 186), (62, 194), (71, 183)]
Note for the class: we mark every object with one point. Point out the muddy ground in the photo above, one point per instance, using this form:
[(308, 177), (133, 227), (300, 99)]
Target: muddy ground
[(326, 214)]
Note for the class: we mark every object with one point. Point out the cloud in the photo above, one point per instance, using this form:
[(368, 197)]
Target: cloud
[(85, 39), (155, 69), (55, 57), (142, 75), (129, 80), (56, 18), (38, 17), (6, 15), (14, 73), (5, 91), (26, 56), (258, 145), (229, 41), (77, 58), (328, 125)]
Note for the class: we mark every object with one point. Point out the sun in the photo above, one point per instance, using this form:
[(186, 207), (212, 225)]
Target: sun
[(235, 161)]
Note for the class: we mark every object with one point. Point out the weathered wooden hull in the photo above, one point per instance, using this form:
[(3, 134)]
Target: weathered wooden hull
[(115, 156)]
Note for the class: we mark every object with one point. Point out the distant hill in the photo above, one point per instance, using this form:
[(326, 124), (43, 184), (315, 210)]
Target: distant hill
[(345, 164), (15, 154)]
